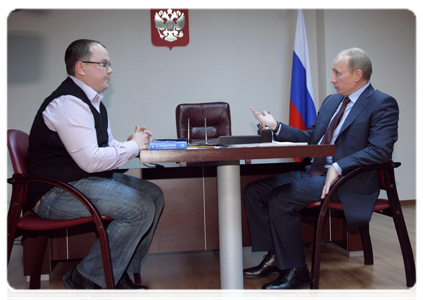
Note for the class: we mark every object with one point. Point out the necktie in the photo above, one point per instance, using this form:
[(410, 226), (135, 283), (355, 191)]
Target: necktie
[(319, 162)]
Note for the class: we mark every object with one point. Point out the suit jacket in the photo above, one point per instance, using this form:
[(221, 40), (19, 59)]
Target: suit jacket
[(366, 137)]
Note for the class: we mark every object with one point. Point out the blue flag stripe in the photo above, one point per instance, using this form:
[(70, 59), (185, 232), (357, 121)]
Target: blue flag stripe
[(300, 95)]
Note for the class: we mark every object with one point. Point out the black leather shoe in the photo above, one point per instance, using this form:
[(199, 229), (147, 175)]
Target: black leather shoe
[(296, 278), (266, 268), (75, 281), (125, 283)]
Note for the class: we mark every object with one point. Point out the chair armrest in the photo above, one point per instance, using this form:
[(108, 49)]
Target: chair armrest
[(344, 178), (25, 179), (359, 170)]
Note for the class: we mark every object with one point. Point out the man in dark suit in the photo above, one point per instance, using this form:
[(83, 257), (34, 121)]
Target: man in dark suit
[(365, 135)]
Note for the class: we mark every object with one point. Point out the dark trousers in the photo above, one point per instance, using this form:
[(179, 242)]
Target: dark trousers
[(272, 207)]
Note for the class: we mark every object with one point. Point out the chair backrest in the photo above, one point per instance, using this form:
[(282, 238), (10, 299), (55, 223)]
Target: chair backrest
[(17, 143), (216, 114)]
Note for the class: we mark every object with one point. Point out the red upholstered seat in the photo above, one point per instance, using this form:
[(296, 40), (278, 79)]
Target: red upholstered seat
[(381, 204), (34, 222)]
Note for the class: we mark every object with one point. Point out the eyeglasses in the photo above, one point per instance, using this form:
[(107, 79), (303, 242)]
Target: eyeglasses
[(105, 64)]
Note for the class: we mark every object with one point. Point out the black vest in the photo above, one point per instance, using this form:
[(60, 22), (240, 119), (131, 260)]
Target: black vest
[(47, 154)]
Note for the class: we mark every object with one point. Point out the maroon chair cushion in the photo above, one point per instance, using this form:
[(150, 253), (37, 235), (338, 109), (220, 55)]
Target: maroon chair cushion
[(381, 204), (34, 222)]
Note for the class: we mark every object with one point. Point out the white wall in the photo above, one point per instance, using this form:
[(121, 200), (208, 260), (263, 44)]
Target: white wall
[(243, 57)]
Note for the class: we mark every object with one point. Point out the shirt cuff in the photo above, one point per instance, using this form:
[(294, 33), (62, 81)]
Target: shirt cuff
[(338, 168)]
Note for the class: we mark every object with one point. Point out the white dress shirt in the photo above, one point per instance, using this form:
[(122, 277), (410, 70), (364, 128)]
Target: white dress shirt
[(73, 121)]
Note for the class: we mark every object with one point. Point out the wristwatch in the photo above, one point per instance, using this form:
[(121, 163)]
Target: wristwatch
[(277, 127)]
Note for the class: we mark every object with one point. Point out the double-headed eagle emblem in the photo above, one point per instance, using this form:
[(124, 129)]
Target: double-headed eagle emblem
[(170, 24)]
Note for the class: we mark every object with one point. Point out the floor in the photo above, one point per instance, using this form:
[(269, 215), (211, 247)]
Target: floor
[(195, 275)]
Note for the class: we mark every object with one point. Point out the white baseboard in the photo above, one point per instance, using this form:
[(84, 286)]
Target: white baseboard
[(43, 277), (344, 251)]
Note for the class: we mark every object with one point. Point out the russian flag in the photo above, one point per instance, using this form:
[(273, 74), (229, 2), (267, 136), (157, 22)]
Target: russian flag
[(302, 110)]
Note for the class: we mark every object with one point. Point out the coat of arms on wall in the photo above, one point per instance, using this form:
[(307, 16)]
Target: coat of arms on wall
[(169, 27)]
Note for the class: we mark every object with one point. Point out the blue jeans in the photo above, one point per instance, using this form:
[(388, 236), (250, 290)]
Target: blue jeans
[(133, 203)]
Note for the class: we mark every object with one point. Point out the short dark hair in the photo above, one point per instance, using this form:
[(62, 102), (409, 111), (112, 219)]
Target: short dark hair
[(76, 51)]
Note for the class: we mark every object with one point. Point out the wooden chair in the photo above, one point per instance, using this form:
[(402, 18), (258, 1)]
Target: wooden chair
[(390, 207), (18, 223)]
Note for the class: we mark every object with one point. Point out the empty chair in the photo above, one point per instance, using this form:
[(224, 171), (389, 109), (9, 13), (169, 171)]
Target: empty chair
[(192, 119)]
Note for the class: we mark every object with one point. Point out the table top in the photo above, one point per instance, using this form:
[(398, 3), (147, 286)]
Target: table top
[(237, 153)]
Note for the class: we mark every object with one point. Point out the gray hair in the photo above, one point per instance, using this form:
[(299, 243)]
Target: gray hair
[(358, 60)]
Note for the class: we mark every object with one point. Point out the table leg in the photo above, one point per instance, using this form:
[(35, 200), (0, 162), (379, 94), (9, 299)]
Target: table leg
[(230, 236), (230, 225)]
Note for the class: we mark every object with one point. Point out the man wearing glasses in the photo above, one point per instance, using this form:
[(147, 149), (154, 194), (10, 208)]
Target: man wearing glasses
[(71, 140)]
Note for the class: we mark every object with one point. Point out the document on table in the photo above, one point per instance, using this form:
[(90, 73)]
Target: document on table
[(272, 144)]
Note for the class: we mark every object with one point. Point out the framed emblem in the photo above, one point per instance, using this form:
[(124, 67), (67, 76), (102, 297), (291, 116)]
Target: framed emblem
[(169, 27)]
